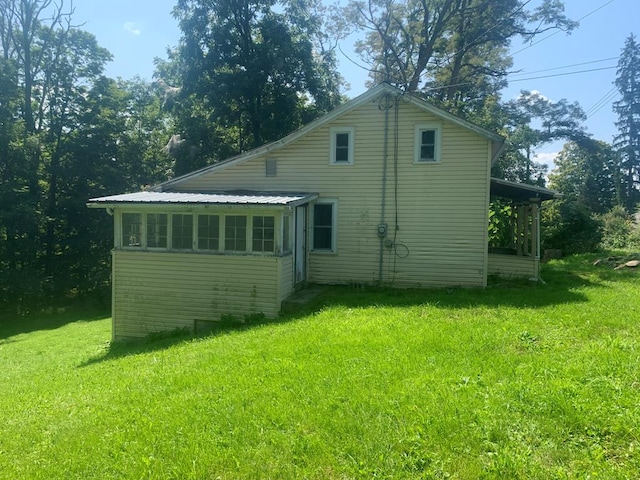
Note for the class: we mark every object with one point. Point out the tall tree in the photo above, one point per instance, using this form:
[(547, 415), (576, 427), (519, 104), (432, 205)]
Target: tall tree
[(587, 172), (531, 121), (627, 142), (66, 134), (448, 45), (251, 72)]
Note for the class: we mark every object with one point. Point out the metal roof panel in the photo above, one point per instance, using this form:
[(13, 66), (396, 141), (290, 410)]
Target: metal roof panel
[(241, 197)]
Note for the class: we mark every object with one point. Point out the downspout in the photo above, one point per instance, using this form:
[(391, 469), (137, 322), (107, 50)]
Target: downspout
[(382, 230)]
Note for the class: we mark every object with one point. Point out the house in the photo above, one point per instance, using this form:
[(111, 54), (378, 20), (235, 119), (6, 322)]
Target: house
[(386, 189)]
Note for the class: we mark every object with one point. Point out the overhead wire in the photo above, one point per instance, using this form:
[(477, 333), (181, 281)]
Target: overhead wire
[(533, 44), (604, 100), (565, 66)]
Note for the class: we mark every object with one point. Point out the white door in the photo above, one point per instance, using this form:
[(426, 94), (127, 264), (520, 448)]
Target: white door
[(301, 244)]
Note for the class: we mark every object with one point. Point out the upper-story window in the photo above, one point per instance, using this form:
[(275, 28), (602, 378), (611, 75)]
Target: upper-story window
[(342, 145), (428, 140)]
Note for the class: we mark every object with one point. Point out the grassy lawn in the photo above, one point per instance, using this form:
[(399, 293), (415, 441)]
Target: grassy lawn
[(514, 381)]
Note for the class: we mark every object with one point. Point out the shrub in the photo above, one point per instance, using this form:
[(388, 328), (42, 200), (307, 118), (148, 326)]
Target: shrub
[(569, 226), (616, 228)]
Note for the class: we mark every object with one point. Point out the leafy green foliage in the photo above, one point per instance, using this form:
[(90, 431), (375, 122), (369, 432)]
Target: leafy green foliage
[(627, 142), (66, 134), (518, 381), (569, 226), (249, 74), (466, 39), (587, 172), (616, 228)]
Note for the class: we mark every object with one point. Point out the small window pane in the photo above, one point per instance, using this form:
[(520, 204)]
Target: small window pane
[(235, 233), (342, 147), (208, 232), (428, 137), (286, 234), (323, 226), (428, 145), (263, 234), (157, 230), (131, 229), (182, 232)]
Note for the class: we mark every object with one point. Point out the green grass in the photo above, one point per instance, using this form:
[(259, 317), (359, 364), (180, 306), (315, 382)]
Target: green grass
[(513, 381)]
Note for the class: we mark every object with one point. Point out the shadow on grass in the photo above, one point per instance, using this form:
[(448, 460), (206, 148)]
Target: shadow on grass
[(12, 325), (164, 340), (563, 281)]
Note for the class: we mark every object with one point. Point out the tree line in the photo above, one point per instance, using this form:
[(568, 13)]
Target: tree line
[(247, 72)]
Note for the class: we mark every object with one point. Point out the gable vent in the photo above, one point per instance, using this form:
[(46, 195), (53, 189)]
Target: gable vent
[(271, 167)]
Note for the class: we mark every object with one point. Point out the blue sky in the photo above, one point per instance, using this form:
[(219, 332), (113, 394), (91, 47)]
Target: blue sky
[(137, 31)]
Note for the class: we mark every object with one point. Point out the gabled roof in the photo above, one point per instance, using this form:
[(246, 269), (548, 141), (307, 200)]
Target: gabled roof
[(238, 197), (352, 104)]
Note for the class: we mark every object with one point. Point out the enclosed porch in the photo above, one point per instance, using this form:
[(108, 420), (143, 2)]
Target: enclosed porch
[(185, 260), (515, 251)]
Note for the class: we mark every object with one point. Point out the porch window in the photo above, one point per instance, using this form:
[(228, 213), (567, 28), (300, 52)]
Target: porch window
[(324, 217), (208, 232), (131, 229), (157, 230), (235, 233), (263, 234), (182, 231), (427, 139), (286, 234)]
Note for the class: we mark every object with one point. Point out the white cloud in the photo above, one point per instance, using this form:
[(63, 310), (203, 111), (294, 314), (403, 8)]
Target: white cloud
[(546, 158), (132, 28)]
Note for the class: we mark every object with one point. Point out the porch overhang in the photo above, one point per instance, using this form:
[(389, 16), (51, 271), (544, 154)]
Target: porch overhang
[(521, 192), (227, 199)]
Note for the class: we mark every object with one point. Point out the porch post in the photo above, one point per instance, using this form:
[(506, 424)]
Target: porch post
[(535, 228)]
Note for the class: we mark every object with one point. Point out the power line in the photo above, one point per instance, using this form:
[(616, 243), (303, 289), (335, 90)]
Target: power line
[(606, 99), (558, 31), (562, 74), (566, 66)]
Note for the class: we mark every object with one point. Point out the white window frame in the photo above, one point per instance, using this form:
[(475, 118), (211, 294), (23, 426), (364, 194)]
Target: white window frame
[(142, 240), (275, 235), (197, 232), (334, 225), (333, 133), (248, 226), (287, 234), (417, 138), (193, 232)]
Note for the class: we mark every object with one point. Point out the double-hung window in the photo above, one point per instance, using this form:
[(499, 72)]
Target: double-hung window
[(428, 139), (324, 226), (342, 145)]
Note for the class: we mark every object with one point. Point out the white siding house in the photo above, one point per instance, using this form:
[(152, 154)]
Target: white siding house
[(386, 189)]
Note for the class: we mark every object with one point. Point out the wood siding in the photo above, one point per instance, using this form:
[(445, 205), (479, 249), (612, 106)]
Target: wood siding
[(164, 291), (513, 266), (286, 278), (441, 208)]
